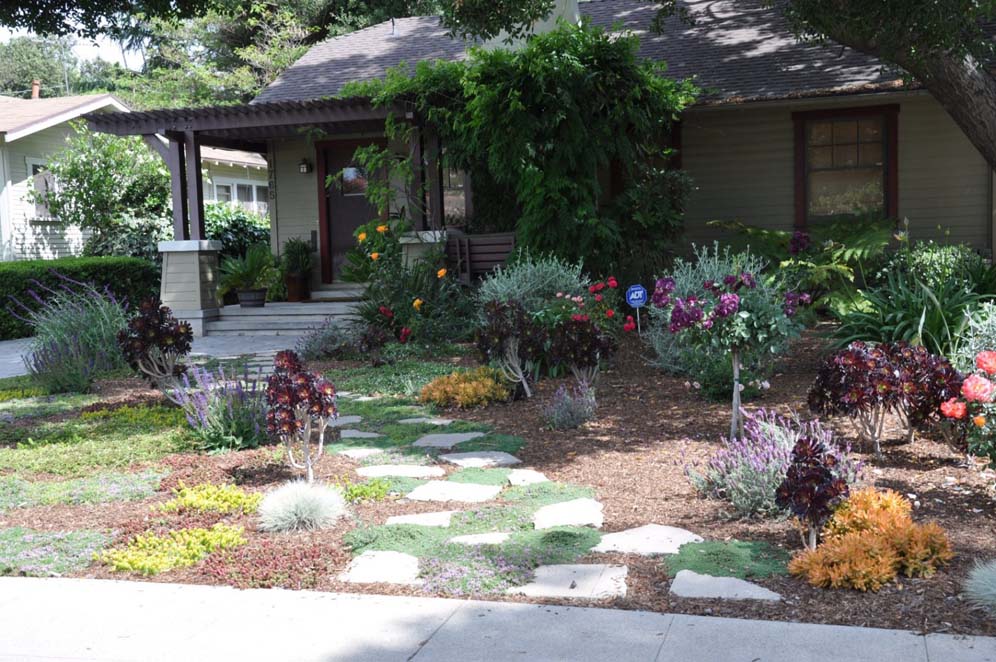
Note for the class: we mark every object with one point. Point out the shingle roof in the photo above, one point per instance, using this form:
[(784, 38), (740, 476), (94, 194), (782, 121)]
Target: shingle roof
[(737, 50), (18, 115)]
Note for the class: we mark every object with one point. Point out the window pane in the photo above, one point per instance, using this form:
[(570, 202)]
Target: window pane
[(223, 192), (870, 154), (870, 130), (821, 157), (262, 193), (454, 196), (820, 133), (244, 192), (42, 182), (354, 180), (845, 132), (839, 192), (845, 156)]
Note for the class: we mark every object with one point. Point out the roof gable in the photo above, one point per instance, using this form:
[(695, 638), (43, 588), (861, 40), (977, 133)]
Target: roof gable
[(23, 117), (737, 50)]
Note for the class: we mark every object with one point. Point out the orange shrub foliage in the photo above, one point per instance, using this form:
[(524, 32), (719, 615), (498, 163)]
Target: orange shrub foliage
[(465, 389), (869, 540)]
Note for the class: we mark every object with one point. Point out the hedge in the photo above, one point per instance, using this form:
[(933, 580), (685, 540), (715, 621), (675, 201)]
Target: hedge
[(129, 278)]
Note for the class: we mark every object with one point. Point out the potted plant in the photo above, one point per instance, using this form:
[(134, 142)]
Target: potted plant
[(248, 275), (297, 264)]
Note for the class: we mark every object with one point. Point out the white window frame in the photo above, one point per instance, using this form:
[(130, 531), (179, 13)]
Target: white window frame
[(234, 183), (29, 165)]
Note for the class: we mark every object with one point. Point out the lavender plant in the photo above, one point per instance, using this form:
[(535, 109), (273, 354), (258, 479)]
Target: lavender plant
[(225, 413), (570, 408), (746, 472)]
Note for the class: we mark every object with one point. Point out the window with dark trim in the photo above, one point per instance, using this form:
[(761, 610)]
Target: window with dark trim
[(845, 163)]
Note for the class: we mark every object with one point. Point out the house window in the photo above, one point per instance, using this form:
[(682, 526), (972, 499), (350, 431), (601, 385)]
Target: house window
[(245, 194), (845, 163), (222, 193), (42, 182), (354, 180)]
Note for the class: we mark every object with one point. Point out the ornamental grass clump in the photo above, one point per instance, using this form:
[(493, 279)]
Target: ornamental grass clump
[(300, 402), (301, 506), (746, 472), (150, 554), (980, 587), (466, 389), (225, 413), (570, 408)]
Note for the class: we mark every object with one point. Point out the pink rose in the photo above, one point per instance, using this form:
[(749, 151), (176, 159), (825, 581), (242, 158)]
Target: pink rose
[(977, 389)]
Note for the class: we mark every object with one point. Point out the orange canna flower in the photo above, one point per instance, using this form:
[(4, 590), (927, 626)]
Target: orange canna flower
[(980, 421), (375, 256), (441, 273), (417, 304), (382, 229), (362, 237)]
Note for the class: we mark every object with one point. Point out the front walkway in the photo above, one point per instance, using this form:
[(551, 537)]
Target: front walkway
[(83, 619)]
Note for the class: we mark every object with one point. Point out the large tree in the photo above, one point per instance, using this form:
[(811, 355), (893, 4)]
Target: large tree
[(28, 58)]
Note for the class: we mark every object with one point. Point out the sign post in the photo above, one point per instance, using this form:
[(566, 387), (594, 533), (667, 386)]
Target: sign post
[(636, 297)]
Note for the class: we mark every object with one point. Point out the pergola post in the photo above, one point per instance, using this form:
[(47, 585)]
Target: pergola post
[(195, 185), (434, 177), (417, 203), (177, 174)]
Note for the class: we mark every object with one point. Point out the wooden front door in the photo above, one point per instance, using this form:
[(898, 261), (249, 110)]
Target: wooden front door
[(344, 205)]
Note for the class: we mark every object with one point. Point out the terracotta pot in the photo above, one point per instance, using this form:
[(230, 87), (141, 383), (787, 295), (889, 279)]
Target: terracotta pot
[(298, 287), (255, 298)]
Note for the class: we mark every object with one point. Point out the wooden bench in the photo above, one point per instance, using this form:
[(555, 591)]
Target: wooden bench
[(472, 256)]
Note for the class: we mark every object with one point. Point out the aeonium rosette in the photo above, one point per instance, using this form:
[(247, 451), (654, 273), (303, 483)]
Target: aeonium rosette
[(299, 402), (971, 415)]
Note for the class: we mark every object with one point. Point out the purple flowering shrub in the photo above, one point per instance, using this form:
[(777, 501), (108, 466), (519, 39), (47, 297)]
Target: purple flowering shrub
[(225, 413), (746, 472), (735, 315), (299, 403), (813, 487), (866, 383)]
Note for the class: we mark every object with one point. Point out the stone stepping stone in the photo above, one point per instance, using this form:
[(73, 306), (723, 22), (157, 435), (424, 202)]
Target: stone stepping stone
[(400, 470), (360, 453), (441, 519), (589, 582), (690, 584), (521, 477), (480, 459), (358, 434), (382, 568), (446, 439), (481, 539), (446, 490), (365, 398), (577, 512), (425, 419), (647, 540), (346, 420)]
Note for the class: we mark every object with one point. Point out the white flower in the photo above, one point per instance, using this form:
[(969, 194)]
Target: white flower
[(765, 385), (740, 387), (696, 385), (688, 385)]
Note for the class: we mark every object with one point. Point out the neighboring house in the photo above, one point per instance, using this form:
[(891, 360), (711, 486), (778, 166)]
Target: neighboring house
[(786, 133), (32, 130)]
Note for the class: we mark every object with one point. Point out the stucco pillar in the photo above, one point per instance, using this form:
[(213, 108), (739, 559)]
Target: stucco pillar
[(190, 281)]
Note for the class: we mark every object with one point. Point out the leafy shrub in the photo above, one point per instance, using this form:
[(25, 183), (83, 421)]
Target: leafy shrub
[(75, 330), (513, 341), (570, 409), (581, 345), (298, 402), (978, 336), (331, 340), (747, 472), (375, 489), (932, 264), (301, 506), (236, 228), (130, 280), (132, 236), (252, 270), (904, 309), (154, 342), (208, 497), (866, 383), (225, 413), (870, 538), (811, 489), (376, 243), (980, 587), (533, 281), (47, 553), (465, 389), (151, 554)]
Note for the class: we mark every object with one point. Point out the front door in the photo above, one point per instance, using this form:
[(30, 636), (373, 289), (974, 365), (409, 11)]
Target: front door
[(346, 206)]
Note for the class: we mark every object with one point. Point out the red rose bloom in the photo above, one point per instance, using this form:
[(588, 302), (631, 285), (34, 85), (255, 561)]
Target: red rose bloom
[(610, 313), (986, 361), (598, 297), (405, 334), (592, 289), (954, 408), (613, 283)]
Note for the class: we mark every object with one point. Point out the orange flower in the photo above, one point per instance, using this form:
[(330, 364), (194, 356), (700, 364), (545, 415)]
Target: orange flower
[(954, 408), (417, 304), (375, 256), (986, 361), (980, 421), (362, 237), (382, 229), (441, 273)]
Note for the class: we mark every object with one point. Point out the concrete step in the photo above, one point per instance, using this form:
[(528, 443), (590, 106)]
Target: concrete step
[(254, 332), (291, 310), (274, 326)]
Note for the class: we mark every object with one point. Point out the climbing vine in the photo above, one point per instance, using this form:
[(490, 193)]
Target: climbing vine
[(544, 125)]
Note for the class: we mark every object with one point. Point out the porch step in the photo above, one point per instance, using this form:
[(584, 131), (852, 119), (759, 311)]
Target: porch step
[(277, 319)]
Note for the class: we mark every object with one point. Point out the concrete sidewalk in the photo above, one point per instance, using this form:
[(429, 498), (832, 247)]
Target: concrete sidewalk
[(81, 619)]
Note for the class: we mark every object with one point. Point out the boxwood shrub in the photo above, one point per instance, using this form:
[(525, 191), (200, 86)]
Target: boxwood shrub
[(129, 278)]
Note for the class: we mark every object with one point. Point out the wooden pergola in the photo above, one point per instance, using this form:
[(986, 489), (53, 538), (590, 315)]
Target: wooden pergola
[(178, 134)]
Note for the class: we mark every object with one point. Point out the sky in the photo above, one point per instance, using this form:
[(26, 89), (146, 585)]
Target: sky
[(89, 50)]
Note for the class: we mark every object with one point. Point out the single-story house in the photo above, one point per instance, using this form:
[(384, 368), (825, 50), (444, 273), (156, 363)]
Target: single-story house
[(32, 130), (785, 133)]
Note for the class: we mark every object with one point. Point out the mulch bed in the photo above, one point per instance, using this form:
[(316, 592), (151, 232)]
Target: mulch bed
[(649, 428)]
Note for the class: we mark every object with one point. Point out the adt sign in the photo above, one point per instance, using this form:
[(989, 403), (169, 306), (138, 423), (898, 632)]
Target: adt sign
[(636, 296)]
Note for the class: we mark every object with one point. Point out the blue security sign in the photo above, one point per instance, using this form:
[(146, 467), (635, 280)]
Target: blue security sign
[(636, 296)]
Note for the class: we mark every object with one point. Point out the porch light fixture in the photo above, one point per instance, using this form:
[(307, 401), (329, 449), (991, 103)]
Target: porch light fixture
[(304, 167)]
